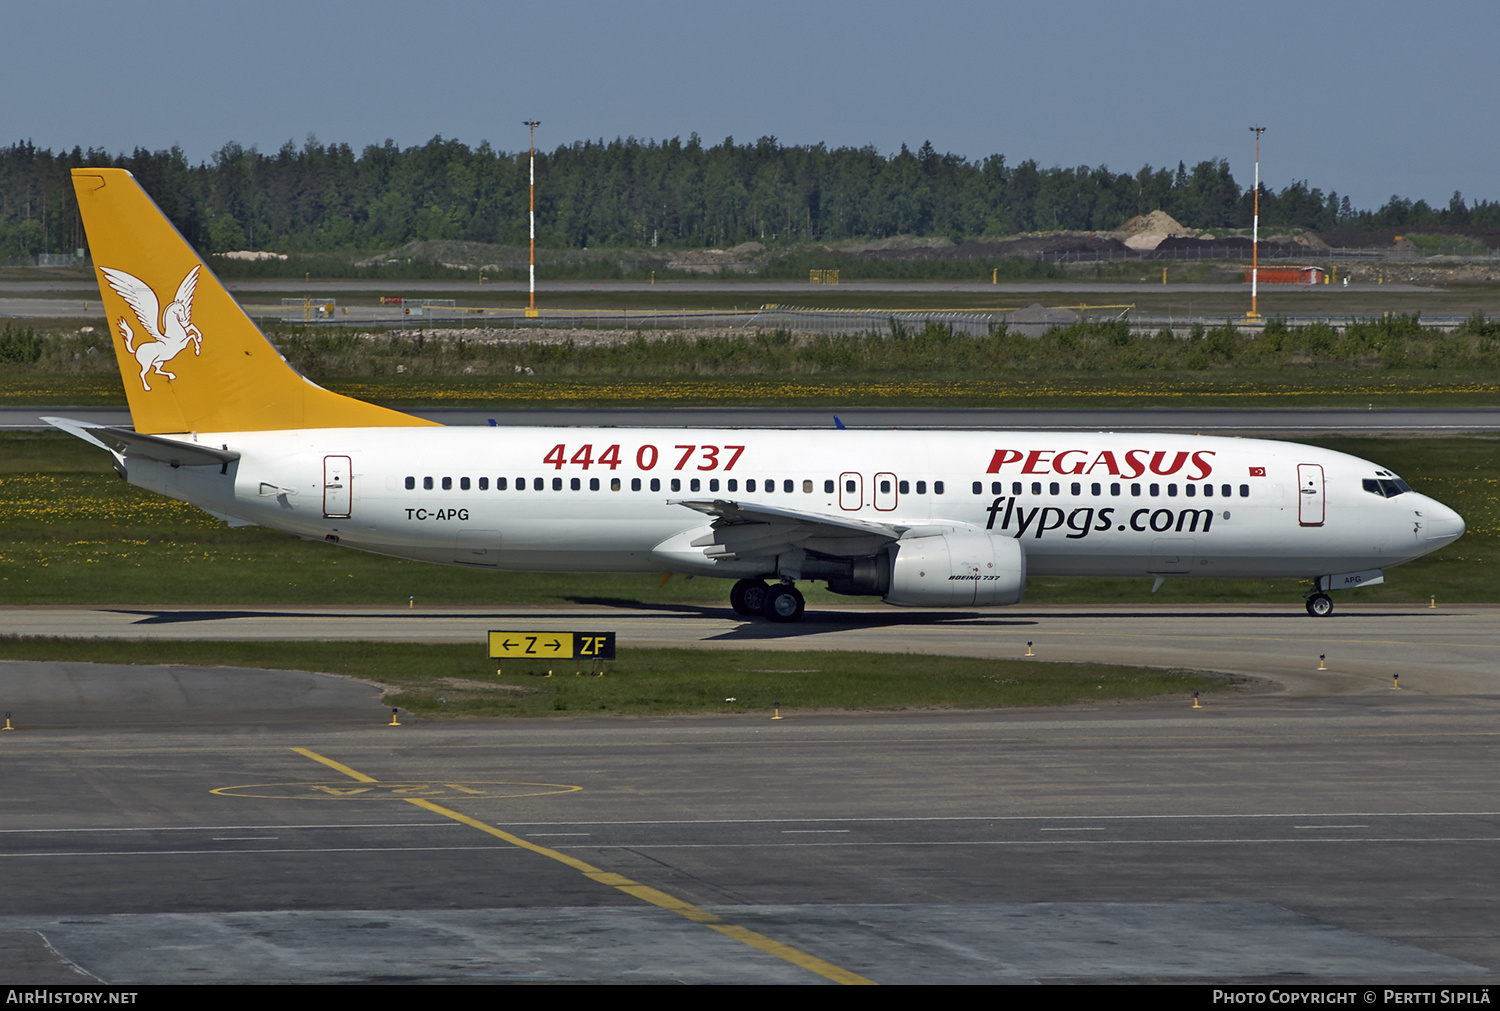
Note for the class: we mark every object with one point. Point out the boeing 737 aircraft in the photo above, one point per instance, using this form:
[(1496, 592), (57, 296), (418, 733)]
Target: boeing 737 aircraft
[(920, 518)]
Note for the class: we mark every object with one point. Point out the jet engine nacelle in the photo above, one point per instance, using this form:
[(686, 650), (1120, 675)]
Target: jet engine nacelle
[(957, 570)]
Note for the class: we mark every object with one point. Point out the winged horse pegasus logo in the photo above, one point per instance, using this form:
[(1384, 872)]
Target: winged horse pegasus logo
[(176, 321)]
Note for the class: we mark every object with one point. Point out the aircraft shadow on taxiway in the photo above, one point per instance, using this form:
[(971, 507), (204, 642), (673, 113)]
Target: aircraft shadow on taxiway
[(749, 629)]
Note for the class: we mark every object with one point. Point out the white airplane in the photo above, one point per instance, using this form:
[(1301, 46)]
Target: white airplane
[(919, 518)]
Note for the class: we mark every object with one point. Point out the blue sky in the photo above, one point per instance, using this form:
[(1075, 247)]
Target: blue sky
[(1371, 99)]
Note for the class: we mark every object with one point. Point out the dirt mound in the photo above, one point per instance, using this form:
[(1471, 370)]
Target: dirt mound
[(893, 242), (736, 259), (1147, 231)]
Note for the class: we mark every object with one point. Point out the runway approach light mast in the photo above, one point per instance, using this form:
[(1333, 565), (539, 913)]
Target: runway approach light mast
[(1255, 230), (533, 124)]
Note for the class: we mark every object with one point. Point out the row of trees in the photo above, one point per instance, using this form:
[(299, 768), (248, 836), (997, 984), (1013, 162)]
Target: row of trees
[(637, 193)]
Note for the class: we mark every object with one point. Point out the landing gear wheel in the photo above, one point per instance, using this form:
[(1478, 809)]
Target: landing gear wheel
[(783, 603), (1320, 605), (748, 597)]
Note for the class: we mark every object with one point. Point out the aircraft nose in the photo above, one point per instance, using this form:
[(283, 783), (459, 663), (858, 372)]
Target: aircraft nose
[(1443, 525)]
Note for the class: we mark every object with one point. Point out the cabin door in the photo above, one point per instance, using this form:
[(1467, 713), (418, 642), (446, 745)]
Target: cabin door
[(337, 481), (851, 491), (1310, 494)]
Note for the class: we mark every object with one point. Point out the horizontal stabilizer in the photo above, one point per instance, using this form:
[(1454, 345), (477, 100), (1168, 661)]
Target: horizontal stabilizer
[(125, 443)]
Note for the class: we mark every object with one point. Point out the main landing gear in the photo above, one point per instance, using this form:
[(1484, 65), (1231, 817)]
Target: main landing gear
[(1320, 605), (780, 603)]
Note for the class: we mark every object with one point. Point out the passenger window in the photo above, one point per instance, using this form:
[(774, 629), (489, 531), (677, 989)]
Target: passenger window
[(614, 484), (411, 483), (1226, 490), (427, 484), (1114, 488), (676, 484), (827, 487), (770, 486), (885, 487), (937, 487), (713, 484), (593, 484), (1190, 490), (1015, 488), (500, 484), (733, 484), (1244, 491), (807, 487), (903, 487), (750, 484), (1036, 487), (996, 488), (1208, 491), (447, 484), (921, 487), (1135, 490), (575, 484), (484, 484), (1171, 491), (656, 484), (1094, 488), (849, 486), (1155, 490), (787, 486), (694, 484), (463, 484), (537, 484), (1055, 488), (635, 484), (978, 487), (557, 483), (1077, 488)]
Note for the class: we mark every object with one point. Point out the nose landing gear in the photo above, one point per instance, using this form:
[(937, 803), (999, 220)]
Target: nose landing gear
[(1320, 605)]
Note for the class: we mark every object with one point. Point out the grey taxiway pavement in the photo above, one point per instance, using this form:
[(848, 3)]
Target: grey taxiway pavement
[(167, 824)]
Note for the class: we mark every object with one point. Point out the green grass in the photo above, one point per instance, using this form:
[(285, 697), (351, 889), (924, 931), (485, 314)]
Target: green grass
[(1395, 361), (460, 681), (71, 532)]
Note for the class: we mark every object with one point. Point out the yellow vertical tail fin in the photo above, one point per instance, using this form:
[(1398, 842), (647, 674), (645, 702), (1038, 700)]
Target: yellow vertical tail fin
[(192, 361)]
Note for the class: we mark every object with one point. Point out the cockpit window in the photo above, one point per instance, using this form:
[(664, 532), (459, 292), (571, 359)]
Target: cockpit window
[(1386, 487)]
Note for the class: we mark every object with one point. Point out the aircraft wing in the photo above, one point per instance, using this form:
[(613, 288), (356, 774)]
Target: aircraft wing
[(741, 531)]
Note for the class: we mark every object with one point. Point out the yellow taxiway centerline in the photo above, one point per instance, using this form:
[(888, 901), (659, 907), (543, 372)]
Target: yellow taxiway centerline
[(632, 888)]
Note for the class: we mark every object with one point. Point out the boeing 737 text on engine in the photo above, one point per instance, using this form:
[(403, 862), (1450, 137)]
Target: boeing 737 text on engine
[(920, 518)]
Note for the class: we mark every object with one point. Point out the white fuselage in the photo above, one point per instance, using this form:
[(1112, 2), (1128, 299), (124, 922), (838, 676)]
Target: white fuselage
[(598, 500)]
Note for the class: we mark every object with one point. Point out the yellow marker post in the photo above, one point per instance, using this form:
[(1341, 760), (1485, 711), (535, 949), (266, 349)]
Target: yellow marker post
[(1195, 701), (776, 706), (1432, 603), (7, 722), (1321, 664), (1395, 682), (394, 722), (1028, 650)]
